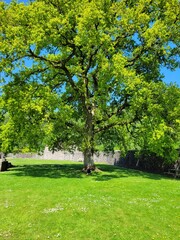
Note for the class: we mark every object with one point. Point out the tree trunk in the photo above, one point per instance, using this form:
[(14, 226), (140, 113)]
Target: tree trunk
[(88, 159), (88, 149)]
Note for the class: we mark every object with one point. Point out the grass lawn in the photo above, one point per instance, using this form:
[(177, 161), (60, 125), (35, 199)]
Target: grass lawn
[(55, 200)]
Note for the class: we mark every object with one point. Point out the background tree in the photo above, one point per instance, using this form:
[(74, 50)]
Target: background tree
[(158, 130), (24, 125), (93, 55), (160, 133)]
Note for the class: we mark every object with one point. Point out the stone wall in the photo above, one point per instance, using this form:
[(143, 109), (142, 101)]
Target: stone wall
[(76, 156)]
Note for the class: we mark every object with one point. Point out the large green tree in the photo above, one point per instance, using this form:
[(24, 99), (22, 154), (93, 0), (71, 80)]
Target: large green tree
[(91, 56)]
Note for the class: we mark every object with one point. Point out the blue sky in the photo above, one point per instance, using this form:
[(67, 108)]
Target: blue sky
[(169, 76)]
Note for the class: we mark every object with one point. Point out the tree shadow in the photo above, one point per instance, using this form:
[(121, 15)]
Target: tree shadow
[(103, 173), (120, 172), (49, 170)]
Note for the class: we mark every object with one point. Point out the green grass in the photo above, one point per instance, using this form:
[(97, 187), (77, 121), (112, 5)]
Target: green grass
[(55, 200)]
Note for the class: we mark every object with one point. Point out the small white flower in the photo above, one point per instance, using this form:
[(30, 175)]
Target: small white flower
[(51, 210)]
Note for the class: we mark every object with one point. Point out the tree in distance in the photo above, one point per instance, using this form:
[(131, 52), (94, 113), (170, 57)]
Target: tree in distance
[(78, 73)]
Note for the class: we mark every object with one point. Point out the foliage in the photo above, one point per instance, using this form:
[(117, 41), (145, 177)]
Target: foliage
[(20, 129), (158, 129), (94, 58)]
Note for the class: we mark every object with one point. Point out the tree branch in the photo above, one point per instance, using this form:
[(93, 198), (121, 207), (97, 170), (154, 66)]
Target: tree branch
[(117, 123), (118, 111), (89, 65), (55, 64)]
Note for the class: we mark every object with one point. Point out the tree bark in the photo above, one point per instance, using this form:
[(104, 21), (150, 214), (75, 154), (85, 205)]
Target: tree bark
[(88, 149), (88, 159)]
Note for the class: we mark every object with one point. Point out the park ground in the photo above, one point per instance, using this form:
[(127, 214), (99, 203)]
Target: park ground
[(56, 200)]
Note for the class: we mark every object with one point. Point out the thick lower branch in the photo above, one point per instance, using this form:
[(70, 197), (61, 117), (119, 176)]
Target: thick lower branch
[(114, 124)]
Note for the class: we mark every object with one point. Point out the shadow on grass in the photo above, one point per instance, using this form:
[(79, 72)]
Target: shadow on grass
[(104, 172), (49, 170), (119, 172)]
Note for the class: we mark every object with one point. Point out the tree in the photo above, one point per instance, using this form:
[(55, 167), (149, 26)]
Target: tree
[(24, 125), (163, 129), (158, 130), (93, 56)]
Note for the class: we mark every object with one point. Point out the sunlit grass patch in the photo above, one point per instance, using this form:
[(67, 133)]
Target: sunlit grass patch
[(56, 200)]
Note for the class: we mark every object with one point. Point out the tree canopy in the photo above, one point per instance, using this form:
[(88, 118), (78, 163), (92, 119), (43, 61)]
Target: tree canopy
[(77, 71)]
